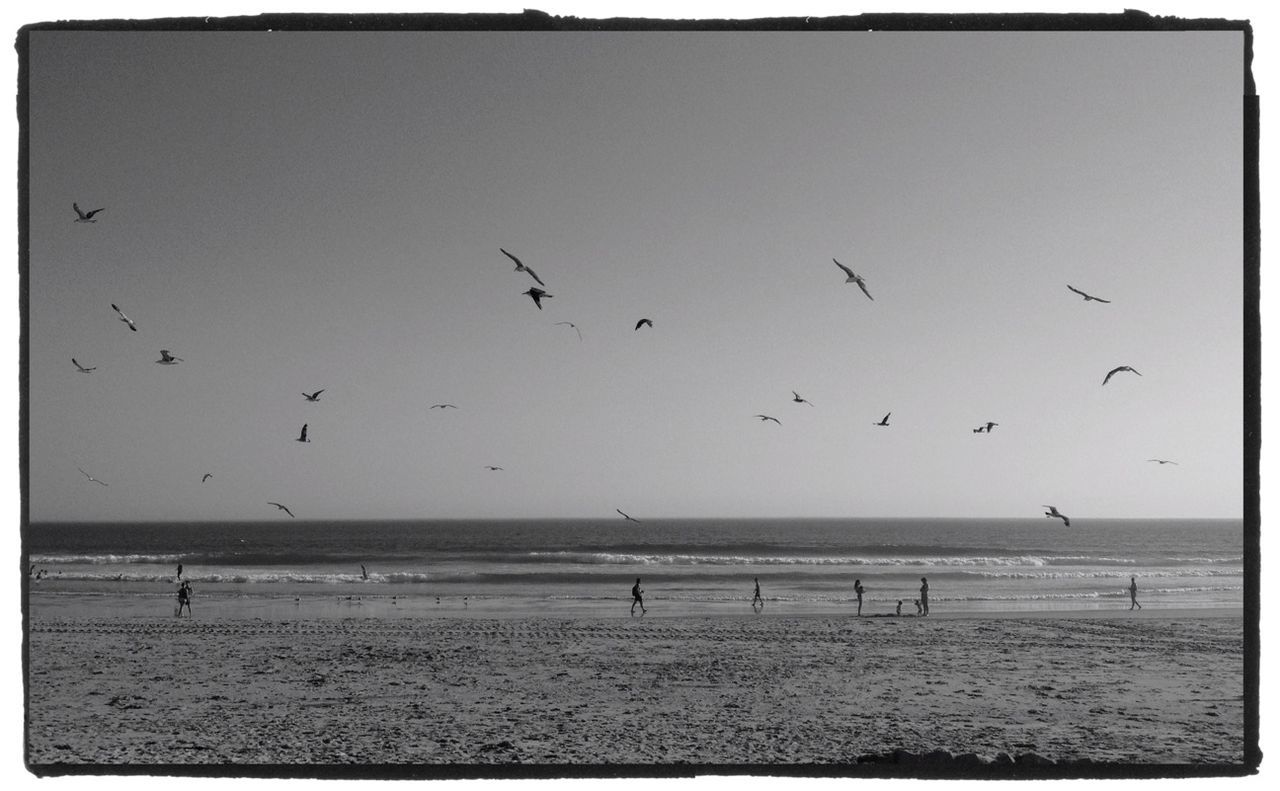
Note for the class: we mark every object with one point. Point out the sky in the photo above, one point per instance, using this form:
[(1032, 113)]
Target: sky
[(289, 212)]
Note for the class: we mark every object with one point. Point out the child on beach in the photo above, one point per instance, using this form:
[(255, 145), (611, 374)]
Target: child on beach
[(899, 610), (924, 595), (858, 589), (757, 599), (637, 597), (1133, 593), (916, 602)]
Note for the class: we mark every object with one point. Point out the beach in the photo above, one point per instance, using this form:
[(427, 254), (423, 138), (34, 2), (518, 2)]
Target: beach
[(1149, 687)]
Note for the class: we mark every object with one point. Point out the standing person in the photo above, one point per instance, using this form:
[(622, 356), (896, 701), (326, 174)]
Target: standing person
[(899, 610), (858, 589), (1133, 593), (757, 600), (924, 595), (637, 597), (179, 572), (184, 598)]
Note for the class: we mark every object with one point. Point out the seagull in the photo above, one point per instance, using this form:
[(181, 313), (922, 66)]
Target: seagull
[(206, 477), (1117, 370), (628, 518), (303, 436), (282, 508), (643, 322), (1163, 462), (81, 368), (520, 267), (124, 318), (800, 400), (84, 216), (90, 477), (884, 421), (314, 396), (168, 359), (987, 428), (537, 294), (491, 468), (443, 406), (852, 278), (1053, 512), (763, 418), (1088, 297), (575, 327)]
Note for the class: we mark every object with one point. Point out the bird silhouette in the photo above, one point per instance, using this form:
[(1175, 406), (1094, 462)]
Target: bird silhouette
[(852, 278), (124, 318), (81, 368), (644, 323), (1117, 370), (303, 436), (313, 396), (168, 359), (884, 421), (520, 267), (90, 477), (537, 294), (763, 418), (800, 400), (1053, 512), (443, 406), (628, 518), (84, 216), (282, 508), (1164, 461), (206, 477), (1088, 297), (575, 327), (491, 468)]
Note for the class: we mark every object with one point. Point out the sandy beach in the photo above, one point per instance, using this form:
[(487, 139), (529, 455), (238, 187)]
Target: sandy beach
[(1162, 688)]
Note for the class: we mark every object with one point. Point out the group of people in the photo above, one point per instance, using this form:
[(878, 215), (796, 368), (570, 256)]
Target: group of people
[(922, 603)]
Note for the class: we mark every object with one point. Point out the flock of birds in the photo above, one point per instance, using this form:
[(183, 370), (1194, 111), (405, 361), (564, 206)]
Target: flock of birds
[(537, 294)]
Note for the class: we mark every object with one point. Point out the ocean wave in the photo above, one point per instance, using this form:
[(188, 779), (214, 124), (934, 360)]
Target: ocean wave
[(672, 559), (1103, 574), (107, 559)]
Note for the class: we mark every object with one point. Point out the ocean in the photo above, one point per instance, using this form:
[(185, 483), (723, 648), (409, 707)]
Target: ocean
[(585, 568)]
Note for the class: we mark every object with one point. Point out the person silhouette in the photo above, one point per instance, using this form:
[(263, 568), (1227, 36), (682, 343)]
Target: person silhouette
[(898, 611), (858, 589), (1133, 593), (637, 597), (924, 595), (756, 599)]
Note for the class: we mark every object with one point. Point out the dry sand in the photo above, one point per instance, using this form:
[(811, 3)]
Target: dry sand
[(767, 690)]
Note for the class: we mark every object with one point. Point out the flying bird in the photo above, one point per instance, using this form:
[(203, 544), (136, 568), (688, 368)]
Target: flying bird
[(491, 468), (168, 359), (81, 368), (628, 518), (520, 267), (575, 327), (282, 508), (1117, 370), (987, 428), (84, 216), (90, 477), (314, 396), (1053, 512), (124, 318), (884, 421), (800, 400), (206, 477), (537, 294), (443, 406), (1164, 461), (303, 436), (1088, 297), (852, 278), (763, 418), (643, 322)]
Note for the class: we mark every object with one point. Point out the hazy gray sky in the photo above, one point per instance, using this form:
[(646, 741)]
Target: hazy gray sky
[(290, 211)]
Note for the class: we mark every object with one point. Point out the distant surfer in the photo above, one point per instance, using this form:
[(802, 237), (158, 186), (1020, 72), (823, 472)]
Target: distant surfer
[(757, 600), (1133, 593), (637, 597)]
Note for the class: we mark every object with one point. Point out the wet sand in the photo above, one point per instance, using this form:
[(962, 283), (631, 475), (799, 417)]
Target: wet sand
[(1160, 688)]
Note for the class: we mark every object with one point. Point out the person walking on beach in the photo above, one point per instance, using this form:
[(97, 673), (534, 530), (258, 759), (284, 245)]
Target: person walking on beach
[(1133, 593), (924, 595), (637, 597), (179, 572), (898, 611), (184, 598), (858, 589), (757, 600)]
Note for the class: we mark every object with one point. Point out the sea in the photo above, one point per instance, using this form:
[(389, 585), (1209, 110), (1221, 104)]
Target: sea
[(586, 568)]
